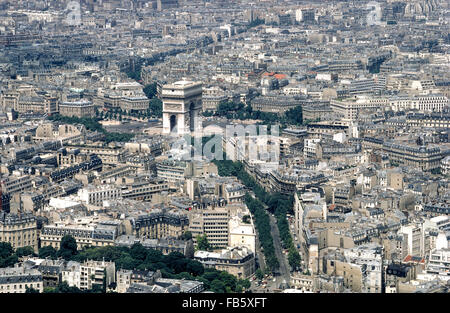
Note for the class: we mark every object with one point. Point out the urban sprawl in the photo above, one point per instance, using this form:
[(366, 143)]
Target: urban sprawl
[(224, 146)]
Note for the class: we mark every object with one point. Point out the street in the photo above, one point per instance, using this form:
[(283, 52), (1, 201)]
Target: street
[(285, 275)]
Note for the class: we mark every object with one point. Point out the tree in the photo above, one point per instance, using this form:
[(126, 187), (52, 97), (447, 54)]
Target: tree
[(138, 252), (7, 255), (202, 243), (211, 274), (150, 90), (195, 268), (155, 107), (127, 262), (5, 250), (68, 247), (31, 290), (187, 235), (64, 287), (294, 258), (154, 256), (218, 286), (244, 283), (24, 251), (228, 279)]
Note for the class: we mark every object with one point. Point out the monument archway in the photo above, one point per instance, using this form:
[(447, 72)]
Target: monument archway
[(173, 123)]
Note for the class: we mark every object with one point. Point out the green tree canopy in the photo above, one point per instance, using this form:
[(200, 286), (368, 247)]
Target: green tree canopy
[(202, 243), (6, 250), (155, 107), (259, 274), (294, 258), (68, 247), (218, 286), (138, 252), (187, 235), (150, 90), (25, 251)]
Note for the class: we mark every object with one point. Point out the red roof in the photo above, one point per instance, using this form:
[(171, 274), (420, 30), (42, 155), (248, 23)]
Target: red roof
[(280, 76), (413, 259)]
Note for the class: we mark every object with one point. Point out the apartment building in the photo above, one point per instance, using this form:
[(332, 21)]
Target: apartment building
[(95, 195), (439, 262), (79, 109), (159, 223), (134, 104), (89, 273), (424, 103), (97, 273), (242, 234), (274, 104), (20, 230), (211, 222), (413, 235), (350, 107), (424, 157), (108, 155), (85, 234), (435, 120), (14, 184), (171, 171), (144, 190), (18, 279), (237, 261), (360, 267), (37, 104)]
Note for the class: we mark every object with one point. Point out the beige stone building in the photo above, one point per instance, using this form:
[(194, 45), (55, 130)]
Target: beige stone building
[(19, 230), (85, 233), (18, 279), (237, 261), (211, 222), (77, 109), (160, 223)]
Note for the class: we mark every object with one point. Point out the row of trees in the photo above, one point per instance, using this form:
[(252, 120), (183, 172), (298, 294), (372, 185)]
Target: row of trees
[(276, 203), (256, 207), (262, 224), (240, 111), (174, 265), (92, 124)]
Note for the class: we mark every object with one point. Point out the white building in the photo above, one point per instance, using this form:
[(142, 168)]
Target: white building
[(431, 229), (95, 195), (310, 147), (242, 234), (85, 275), (413, 235), (439, 263), (71, 274), (370, 257)]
